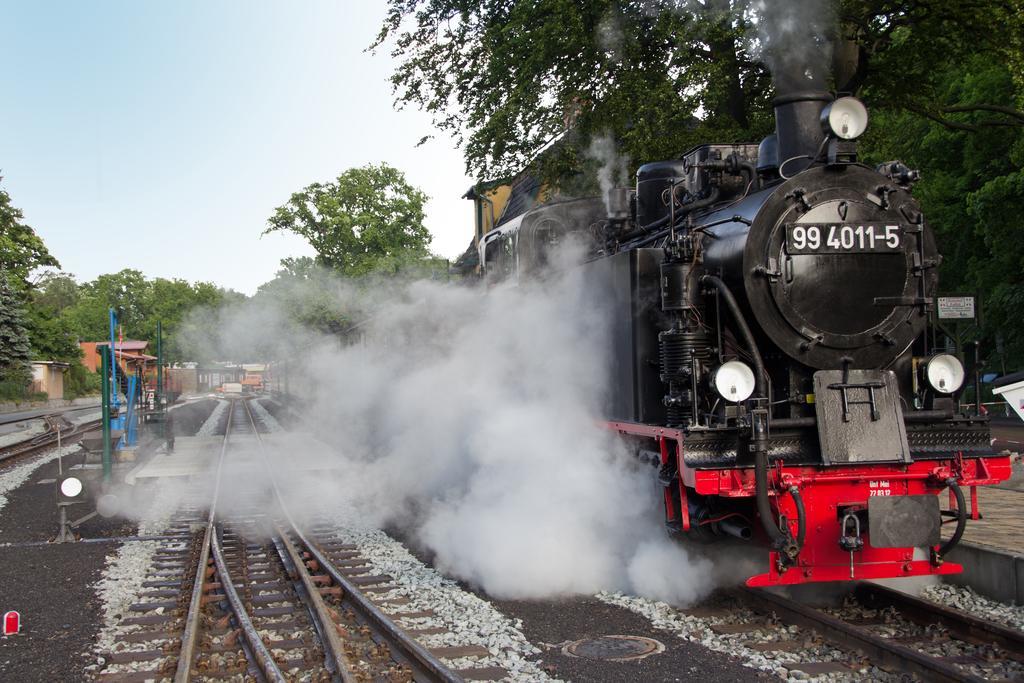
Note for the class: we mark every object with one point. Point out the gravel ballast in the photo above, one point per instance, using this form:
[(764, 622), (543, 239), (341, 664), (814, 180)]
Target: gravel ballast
[(965, 599), (784, 664), (263, 415), (210, 427), (468, 619)]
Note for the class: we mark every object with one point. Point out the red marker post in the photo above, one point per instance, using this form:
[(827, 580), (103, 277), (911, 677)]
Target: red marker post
[(12, 623)]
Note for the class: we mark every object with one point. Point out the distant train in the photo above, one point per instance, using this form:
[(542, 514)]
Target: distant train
[(767, 310)]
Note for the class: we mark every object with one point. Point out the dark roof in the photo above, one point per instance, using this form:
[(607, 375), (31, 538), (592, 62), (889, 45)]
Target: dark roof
[(522, 199), (469, 259)]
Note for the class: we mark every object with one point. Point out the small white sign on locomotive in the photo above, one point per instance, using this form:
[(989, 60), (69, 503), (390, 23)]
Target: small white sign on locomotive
[(956, 307)]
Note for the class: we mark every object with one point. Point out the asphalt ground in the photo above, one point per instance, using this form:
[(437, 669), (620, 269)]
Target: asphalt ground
[(52, 585), (553, 625)]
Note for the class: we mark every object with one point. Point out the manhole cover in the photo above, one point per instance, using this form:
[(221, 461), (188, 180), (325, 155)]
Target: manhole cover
[(614, 648)]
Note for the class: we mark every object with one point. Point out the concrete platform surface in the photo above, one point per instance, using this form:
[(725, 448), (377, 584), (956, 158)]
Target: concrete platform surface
[(992, 548), (192, 455)]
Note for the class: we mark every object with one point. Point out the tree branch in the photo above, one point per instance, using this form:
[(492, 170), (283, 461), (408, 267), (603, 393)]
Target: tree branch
[(1009, 111), (958, 125)]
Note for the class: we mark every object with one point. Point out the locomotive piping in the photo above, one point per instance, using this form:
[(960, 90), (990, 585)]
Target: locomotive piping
[(741, 323), (684, 210), (764, 509)]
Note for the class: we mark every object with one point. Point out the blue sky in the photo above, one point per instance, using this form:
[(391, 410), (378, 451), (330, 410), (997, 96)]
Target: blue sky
[(181, 125)]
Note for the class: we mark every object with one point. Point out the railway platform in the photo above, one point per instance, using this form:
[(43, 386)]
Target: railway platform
[(992, 548), (195, 455)]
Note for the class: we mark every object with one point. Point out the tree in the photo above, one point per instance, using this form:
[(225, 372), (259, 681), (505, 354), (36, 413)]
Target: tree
[(125, 291), (50, 331), (15, 354), (657, 76), (55, 290), (82, 310), (308, 293), (369, 220), (21, 249), (972, 189)]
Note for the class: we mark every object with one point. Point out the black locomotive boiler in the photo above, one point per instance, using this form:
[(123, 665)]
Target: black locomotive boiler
[(768, 306)]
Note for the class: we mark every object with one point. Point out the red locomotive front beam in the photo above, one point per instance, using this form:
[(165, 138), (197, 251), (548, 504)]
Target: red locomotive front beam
[(824, 491)]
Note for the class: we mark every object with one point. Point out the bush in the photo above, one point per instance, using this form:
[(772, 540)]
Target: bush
[(12, 390), (80, 382)]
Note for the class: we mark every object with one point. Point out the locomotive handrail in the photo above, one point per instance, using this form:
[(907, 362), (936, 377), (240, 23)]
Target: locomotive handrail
[(912, 416)]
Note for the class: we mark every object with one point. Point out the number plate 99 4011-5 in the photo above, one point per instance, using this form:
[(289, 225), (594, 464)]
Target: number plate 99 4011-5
[(843, 238)]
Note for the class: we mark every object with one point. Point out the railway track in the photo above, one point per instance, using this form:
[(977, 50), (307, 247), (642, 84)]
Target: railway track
[(896, 632), (250, 595), (56, 426)]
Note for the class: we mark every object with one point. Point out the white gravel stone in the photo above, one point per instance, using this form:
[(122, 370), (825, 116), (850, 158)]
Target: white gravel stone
[(264, 416), (210, 426), (14, 477), (120, 584), (469, 619), (965, 599)]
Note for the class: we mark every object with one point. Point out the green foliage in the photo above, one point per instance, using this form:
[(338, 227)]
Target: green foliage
[(972, 189), (308, 293), (369, 220), (21, 249), (509, 78), (140, 303), (657, 76), (15, 353), (79, 381), (51, 332)]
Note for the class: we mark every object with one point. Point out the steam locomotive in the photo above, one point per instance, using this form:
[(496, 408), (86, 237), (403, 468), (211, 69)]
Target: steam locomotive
[(768, 307)]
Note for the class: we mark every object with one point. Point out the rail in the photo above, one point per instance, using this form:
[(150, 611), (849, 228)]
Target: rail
[(260, 655), (403, 648), (886, 652), (46, 440)]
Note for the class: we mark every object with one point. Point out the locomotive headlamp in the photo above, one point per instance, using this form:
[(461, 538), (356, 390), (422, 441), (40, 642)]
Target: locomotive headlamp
[(71, 487), (944, 373), (846, 118), (734, 381)]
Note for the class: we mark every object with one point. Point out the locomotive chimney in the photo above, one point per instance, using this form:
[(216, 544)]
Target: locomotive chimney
[(798, 126), (797, 49)]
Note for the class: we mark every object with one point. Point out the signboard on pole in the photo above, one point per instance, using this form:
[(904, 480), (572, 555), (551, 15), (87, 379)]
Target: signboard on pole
[(956, 307)]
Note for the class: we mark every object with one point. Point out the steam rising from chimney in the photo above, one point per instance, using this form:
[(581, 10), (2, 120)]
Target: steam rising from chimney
[(794, 38)]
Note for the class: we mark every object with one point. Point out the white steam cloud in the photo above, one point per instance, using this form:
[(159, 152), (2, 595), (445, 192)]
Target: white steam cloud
[(468, 420), (794, 39), (613, 169)]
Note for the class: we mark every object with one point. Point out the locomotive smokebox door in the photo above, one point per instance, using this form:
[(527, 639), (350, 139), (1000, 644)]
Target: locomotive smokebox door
[(903, 521), (859, 417)]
